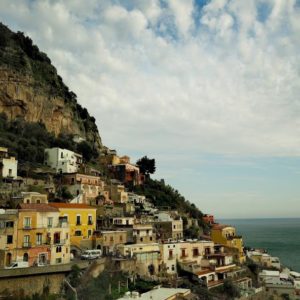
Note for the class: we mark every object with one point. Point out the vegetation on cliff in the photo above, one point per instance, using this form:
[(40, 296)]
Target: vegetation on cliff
[(27, 141), (163, 195), (21, 59)]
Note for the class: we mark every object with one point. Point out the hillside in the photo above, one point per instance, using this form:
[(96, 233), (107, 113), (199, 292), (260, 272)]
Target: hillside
[(37, 111), (31, 89)]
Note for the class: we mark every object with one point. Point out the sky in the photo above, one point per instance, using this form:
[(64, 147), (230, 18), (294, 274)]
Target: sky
[(210, 89)]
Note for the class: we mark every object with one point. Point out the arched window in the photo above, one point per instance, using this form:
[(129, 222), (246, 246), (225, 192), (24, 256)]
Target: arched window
[(25, 257), (8, 259)]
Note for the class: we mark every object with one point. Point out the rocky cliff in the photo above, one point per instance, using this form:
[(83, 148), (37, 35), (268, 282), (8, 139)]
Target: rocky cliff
[(30, 88)]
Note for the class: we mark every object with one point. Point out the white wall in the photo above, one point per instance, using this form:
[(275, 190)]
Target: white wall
[(9, 164)]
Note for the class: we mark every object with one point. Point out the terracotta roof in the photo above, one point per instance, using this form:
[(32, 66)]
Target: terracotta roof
[(42, 207), (203, 272), (70, 205)]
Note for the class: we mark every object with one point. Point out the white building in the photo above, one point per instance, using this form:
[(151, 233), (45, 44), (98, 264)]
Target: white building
[(62, 160), (8, 164)]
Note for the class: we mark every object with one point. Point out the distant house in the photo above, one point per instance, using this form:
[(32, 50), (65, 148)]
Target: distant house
[(62, 160), (8, 165), (89, 187), (226, 235)]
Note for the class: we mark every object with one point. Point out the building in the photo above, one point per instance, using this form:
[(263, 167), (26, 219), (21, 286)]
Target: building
[(82, 221), (117, 192), (189, 254), (8, 165), (8, 236), (34, 233), (159, 293), (85, 187), (208, 219), (136, 199), (167, 227), (226, 235), (62, 160), (43, 237), (143, 233), (108, 240), (146, 257), (264, 259), (34, 198)]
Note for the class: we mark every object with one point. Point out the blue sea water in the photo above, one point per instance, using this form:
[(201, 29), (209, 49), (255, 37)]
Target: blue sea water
[(280, 237)]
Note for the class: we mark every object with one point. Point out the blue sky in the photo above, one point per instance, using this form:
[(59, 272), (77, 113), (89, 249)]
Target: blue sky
[(208, 88)]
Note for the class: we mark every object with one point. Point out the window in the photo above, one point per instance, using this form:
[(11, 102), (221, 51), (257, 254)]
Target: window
[(26, 240), (27, 222), (111, 239), (150, 238), (195, 252), (78, 233), (25, 257), (89, 233), (58, 260), (183, 253), (50, 222), (56, 238), (121, 238), (78, 220), (141, 239), (58, 249), (61, 155), (170, 254), (38, 201), (90, 220), (173, 267), (39, 238), (9, 239), (9, 224)]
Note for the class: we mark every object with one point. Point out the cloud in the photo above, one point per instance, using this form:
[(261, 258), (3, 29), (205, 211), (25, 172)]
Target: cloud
[(175, 78), (230, 86)]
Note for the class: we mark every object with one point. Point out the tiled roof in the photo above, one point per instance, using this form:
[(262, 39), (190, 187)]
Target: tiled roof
[(70, 205), (42, 207)]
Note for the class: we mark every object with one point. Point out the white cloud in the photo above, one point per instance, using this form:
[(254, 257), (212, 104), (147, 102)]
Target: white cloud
[(229, 85)]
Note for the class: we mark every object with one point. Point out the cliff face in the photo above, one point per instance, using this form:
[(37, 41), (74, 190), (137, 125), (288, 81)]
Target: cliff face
[(30, 88)]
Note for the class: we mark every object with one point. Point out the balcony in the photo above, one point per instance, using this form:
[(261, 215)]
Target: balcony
[(27, 227), (90, 222), (59, 242), (26, 245)]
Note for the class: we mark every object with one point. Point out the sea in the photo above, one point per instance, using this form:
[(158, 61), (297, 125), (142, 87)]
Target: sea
[(280, 237)]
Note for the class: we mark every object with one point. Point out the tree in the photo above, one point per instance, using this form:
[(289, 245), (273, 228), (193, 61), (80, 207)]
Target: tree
[(231, 289), (86, 150), (146, 165)]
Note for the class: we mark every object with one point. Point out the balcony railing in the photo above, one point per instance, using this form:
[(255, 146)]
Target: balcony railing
[(26, 245), (59, 242), (90, 222), (27, 227)]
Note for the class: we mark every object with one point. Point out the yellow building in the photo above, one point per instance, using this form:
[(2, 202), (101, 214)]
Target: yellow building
[(8, 236), (82, 221), (42, 237), (34, 234), (226, 235)]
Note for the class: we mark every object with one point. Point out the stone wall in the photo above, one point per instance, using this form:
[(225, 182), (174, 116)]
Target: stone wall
[(29, 285)]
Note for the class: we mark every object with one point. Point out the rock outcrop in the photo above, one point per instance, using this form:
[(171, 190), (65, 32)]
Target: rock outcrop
[(30, 88)]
